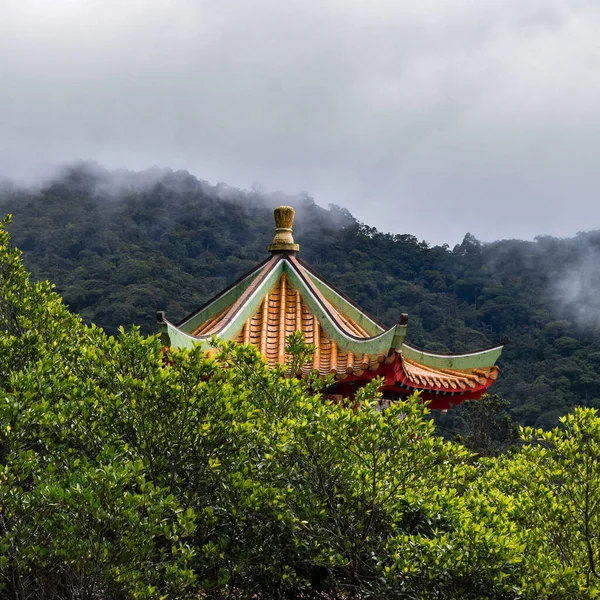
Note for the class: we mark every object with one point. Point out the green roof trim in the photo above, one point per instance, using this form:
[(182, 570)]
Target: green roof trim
[(345, 307), (252, 304), (175, 338), (219, 303), (471, 360), (245, 297), (182, 339), (381, 343), (179, 337)]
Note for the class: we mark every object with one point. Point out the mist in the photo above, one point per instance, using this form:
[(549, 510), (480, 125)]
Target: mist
[(432, 118), (577, 286), (109, 188)]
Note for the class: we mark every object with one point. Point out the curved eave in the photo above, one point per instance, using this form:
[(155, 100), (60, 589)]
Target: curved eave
[(471, 360), (406, 385), (248, 302), (227, 297), (341, 301), (173, 337), (409, 376), (385, 341)]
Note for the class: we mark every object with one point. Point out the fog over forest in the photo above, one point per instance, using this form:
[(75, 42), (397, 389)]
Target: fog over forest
[(442, 160), (120, 245), (435, 117)]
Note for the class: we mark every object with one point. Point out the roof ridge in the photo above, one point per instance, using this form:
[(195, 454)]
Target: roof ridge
[(230, 287), (237, 304), (334, 289), (333, 312)]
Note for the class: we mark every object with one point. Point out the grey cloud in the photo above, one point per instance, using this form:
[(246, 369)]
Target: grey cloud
[(576, 290), (435, 117)]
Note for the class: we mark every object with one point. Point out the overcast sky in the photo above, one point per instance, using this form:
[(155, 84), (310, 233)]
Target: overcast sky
[(431, 117)]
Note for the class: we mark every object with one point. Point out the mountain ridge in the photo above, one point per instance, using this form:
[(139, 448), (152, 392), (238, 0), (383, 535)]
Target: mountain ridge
[(121, 245)]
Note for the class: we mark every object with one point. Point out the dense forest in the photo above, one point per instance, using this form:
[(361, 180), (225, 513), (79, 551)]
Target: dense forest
[(255, 487), (120, 245)]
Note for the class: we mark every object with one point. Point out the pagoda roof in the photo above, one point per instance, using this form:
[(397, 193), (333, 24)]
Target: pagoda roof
[(282, 295)]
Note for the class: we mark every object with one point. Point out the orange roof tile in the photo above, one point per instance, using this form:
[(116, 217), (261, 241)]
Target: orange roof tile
[(282, 295), (282, 312), (448, 379)]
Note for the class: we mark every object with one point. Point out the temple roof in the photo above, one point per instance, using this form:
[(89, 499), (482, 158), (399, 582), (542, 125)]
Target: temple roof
[(282, 295)]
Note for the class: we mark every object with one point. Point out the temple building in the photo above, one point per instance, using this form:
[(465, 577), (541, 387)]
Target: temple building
[(282, 295)]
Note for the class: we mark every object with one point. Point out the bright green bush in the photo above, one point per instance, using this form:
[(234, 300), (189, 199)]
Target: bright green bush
[(124, 476), (550, 490)]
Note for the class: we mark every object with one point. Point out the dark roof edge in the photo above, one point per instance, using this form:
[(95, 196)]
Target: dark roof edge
[(346, 298), (238, 304), (224, 291)]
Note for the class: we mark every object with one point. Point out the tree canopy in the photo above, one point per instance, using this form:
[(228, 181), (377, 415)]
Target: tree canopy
[(121, 245), (125, 475)]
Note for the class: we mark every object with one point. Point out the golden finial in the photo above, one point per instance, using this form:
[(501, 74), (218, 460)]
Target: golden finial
[(283, 240)]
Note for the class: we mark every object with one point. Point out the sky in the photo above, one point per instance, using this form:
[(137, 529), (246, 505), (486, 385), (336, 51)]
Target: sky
[(428, 117)]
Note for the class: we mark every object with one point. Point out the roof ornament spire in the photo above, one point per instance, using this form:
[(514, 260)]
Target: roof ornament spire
[(283, 240)]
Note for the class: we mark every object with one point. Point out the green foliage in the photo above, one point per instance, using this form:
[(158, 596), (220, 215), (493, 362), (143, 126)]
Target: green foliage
[(561, 478), (550, 490), (122, 245), (78, 516), (125, 475), (483, 426), (122, 476)]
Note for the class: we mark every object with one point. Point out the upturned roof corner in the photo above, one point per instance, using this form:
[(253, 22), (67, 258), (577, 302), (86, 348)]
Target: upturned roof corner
[(282, 295)]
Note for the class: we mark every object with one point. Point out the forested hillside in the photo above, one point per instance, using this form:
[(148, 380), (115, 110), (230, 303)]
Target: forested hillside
[(121, 245), (256, 487)]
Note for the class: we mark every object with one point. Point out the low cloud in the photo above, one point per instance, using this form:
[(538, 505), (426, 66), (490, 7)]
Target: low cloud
[(433, 118), (577, 288)]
